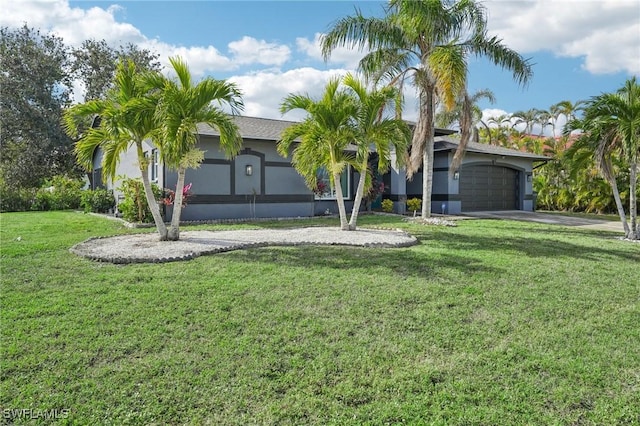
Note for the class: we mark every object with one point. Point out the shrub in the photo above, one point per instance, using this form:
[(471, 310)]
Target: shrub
[(16, 200), (414, 204), (387, 205), (57, 193), (97, 201), (134, 207)]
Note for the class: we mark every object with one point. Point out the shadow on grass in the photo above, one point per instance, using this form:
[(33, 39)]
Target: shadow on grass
[(439, 248), (533, 243), (404, 262)]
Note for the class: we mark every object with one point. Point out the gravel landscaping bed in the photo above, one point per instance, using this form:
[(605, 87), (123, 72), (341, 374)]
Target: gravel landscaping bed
[(145, 248)]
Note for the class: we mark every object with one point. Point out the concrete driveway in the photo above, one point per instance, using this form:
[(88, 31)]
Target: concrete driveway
[(553, 219)]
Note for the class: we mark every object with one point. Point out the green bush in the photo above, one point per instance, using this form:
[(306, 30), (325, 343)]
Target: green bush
[(414, 204), (387, 205), (16, 199), (134, 207), (97, 201), (57, 193)]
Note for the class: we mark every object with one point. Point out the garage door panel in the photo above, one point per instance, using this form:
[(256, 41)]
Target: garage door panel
[(487, 187)]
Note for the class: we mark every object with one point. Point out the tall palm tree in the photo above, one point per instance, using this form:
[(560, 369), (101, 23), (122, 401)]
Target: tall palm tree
[(323, 137), (427, 41), (374, 130), (181, 105), (126, 119), (611, 123)]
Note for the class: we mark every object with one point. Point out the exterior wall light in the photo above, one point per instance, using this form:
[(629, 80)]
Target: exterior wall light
[(529, 177), (456, 176), (248, 170)]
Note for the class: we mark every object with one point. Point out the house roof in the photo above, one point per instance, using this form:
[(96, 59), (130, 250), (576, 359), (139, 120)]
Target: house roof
[(267, 128), (449, 144)]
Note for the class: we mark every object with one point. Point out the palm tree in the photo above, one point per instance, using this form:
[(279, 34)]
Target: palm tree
[(374, 130), (323, 137), (466, 115), (567, 108), (611, 123), (428, 41), (529, 118), (126, 119), (180, 106)]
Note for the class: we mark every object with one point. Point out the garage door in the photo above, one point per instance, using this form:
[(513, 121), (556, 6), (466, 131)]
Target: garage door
[(486, 188)]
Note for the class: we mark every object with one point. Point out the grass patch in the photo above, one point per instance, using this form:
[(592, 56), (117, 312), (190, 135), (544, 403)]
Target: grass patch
[(489, 322), (582, 215)]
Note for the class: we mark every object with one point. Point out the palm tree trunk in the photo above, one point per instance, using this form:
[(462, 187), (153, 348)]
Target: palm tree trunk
[(359, 194), (616, 197), (174, 230), (344, 225), (633, 202), (427, 157), (148, 192)]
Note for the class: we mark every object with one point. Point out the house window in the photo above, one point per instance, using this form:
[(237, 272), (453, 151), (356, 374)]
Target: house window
[(153, 165), (325, 191)]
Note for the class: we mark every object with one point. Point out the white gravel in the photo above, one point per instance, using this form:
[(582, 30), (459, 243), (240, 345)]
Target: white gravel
[(137, 248)]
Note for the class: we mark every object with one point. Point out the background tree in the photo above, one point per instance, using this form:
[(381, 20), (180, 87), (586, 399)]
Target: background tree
[(126, 118), (94, 64), (34, 89), (323, 137), (427, 42), (180, 105)]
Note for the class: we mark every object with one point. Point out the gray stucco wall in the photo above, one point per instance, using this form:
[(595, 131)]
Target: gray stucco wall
[(221, 188), (445, 190)]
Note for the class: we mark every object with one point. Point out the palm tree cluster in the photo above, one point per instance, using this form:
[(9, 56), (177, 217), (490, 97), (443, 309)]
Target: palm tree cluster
[(347, 115), (426, 43), (147, 105)]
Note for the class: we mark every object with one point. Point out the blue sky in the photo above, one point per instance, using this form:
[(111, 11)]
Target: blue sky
[(269, 48)]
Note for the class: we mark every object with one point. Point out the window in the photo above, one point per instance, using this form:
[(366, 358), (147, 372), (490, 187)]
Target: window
[(325, 191), (153, 165)]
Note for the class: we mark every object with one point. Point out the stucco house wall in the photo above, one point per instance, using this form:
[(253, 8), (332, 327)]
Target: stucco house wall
[(224, 188)]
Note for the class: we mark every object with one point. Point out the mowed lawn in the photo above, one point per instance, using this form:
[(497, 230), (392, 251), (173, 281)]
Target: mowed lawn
[(486, 323)]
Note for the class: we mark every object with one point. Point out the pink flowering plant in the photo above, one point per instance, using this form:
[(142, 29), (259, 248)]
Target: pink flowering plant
[(170, 195), (321, 188)]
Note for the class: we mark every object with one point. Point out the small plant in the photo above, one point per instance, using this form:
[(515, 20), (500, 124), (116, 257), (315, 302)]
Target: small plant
[(321, 188), (376, 190), (134, 207), (170, 195), (414, 204), (387, 205)]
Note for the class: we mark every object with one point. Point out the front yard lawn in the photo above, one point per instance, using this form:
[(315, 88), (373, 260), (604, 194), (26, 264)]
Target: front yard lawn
[(489, 322)]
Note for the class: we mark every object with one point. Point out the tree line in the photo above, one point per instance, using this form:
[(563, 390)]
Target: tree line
[(38, 72)]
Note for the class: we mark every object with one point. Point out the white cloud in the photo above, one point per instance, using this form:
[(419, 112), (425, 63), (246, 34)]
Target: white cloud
[(75, 25), (248, 50), (490, 113), (605, 32), (264, 91), (343, 56)]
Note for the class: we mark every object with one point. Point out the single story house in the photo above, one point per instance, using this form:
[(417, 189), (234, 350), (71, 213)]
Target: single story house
[(258, 182)]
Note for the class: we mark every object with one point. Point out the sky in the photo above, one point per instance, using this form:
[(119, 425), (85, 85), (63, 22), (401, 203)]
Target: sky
[(579, 48)]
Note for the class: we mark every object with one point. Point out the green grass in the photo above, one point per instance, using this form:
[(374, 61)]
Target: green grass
[(582, 215), (490, 322)]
